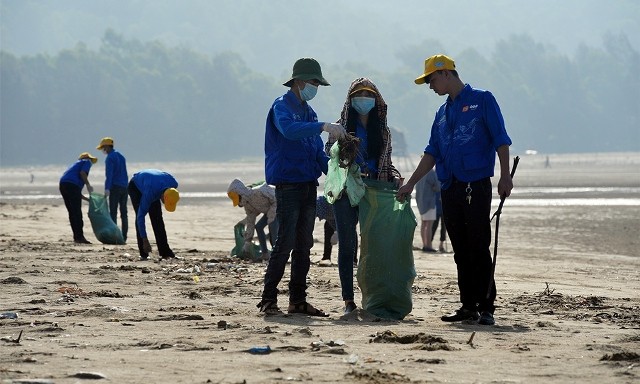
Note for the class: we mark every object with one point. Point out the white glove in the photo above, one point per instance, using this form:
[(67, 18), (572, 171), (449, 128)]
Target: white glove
[(336, 131), (106, 193)]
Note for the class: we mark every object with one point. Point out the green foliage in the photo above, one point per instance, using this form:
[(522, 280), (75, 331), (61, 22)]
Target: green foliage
[(175, 103)]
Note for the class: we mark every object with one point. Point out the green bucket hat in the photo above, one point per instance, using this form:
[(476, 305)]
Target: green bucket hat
[(306, 68)]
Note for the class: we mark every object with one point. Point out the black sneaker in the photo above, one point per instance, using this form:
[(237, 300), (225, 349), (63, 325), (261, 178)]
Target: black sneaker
[(461, 315), (486, 318), (350, 307), (82, 241)]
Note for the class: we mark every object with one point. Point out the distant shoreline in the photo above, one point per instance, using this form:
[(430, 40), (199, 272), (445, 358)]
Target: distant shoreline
[(618, 171)]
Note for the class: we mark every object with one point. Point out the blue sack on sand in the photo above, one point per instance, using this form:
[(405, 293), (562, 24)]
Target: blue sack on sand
[(103, 226)]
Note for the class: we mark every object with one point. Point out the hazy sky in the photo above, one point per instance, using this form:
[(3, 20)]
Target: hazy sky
[(351, 27)]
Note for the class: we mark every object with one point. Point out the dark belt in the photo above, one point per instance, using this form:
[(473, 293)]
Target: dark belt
[(456, 181)]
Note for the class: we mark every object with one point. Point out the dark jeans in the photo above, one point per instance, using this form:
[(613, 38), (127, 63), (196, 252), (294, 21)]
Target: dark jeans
[(273, 232), (469, 229), (72, 196), (296, 213), (155, 215), (118, 197), (329, 230), (346, 220), (443, 228)]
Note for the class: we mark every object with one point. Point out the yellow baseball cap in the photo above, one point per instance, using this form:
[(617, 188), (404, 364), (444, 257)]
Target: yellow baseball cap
[(87, 155), (105, 141), (171, 197), (433, 64), (234, 197)]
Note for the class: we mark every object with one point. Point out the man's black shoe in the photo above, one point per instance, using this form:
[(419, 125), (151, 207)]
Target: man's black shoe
[(486, 318), (460, 315)]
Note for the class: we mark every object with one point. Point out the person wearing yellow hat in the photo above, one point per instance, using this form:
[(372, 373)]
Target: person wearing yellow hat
[(294, 160), (148, 190), (71, 184), (115, 183), (467, 132), (256, 199)]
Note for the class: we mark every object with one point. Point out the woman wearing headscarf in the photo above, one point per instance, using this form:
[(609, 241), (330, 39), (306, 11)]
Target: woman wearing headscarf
[(364, 116)]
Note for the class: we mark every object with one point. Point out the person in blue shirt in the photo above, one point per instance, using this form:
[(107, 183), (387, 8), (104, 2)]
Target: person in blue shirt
[(294, 160), (467, 132), (71, 184), (426, 190), (115, 183), (147, 189), (439, 221)]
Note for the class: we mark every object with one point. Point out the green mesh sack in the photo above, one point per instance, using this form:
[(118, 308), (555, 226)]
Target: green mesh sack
[(386, 271), (254, 254), (340, 179), (106, 231)]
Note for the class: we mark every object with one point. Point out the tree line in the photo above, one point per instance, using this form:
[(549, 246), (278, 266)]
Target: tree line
[(173, 103)]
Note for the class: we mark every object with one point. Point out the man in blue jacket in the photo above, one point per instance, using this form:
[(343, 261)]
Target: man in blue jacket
[(115, 183), (294, 160), (147, 189), (71, 184), (467, 131)]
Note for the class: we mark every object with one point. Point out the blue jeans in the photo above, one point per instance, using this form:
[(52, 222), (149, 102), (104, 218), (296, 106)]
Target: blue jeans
[(273, 232), (346, 220), (469, 229), (118, 197), (296, 213)]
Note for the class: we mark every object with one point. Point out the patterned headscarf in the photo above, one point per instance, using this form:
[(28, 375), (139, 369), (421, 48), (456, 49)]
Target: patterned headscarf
[(387, 172)]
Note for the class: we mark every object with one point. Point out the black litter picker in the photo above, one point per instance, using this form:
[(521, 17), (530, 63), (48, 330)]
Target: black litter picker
[(496, 214)]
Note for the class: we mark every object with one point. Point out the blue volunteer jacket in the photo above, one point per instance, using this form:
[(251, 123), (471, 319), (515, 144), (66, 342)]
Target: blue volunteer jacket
[(152, 183), (465, 135), (72, 174), (294, 152), (115, 170)]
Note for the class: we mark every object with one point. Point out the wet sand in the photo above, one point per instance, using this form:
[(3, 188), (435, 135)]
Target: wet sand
[(567, 277)]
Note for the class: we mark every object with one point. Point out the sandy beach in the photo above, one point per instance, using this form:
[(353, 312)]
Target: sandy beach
[(568, 279)]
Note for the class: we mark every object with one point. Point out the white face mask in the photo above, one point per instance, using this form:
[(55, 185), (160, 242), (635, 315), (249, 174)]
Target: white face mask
[(308, 92), (363, 104)]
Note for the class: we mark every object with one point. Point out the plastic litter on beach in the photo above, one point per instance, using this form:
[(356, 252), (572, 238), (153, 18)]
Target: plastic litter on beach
[(259, 350)]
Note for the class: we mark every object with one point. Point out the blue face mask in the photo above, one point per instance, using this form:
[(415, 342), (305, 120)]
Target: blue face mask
[(308, 92), (363, 104)]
